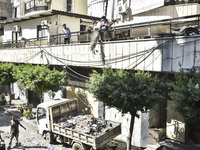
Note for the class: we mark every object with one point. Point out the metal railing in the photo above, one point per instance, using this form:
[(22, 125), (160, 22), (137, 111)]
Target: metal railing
[(163, 28)]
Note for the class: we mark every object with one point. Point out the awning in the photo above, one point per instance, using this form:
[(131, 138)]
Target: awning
[(47, 13)]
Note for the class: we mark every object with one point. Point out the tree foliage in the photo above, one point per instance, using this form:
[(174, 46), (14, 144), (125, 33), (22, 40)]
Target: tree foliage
[(186, 96), (40, 79), (129, 92), (7, 71)]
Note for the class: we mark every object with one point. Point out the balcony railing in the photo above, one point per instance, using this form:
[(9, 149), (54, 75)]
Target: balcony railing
[(36, 8), (175, 2), (183, 26)]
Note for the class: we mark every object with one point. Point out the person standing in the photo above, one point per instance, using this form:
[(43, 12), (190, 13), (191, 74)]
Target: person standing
[(95, 34), (107, 25), (67, 33), (14, 130)]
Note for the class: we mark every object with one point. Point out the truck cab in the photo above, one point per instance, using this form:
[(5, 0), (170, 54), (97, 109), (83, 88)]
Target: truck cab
[(48, 112)]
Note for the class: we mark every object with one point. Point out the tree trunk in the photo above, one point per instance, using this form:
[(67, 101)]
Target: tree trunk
[(9, 91), (129, 138), (41, 97), (26, 94)]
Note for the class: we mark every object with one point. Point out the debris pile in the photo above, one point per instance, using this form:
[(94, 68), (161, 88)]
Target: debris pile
[(86, 124)]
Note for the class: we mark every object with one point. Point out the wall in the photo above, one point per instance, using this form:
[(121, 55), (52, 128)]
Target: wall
[(59, 5), (140, 132), (166, 12), (85, 100), (29, 28), (163, 54), (95, 8), (5, 8), (80, 7), (176, 128)]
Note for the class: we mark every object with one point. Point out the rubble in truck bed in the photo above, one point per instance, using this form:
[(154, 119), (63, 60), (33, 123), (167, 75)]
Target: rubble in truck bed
[(86, 124)]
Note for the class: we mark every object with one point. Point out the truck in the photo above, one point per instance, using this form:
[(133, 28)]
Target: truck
[(59, 120)]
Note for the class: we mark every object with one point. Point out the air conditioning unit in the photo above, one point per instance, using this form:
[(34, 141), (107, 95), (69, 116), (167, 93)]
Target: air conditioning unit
[(44, 23), (123, 9), (16, 28)]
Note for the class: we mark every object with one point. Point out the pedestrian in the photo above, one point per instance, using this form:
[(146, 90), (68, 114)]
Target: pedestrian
[(67, 34), (14, 130), (107, 26), (95, 34)]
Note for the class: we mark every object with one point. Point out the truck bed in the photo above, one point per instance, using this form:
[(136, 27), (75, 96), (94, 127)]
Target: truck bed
[(94, 139)]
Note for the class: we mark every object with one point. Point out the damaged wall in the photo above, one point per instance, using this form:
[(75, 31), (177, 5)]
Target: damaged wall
[(140, 132)]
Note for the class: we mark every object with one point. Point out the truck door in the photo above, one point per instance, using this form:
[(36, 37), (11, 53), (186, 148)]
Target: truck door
[(42, 121)]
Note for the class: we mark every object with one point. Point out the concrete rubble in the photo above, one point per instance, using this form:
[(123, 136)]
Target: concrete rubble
[(86, 124)]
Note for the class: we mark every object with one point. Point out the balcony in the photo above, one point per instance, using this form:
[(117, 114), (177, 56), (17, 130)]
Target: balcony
[(183, 26), (35, 5), (36, 8)]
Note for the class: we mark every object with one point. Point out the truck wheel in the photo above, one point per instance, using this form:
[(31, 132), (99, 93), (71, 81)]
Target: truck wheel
[(78, 146), (50, 137)]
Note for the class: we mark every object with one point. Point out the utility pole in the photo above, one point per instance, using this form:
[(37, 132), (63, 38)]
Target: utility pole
[(106, 7)]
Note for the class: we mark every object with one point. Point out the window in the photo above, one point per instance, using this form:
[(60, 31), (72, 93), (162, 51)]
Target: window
[(14, 37), (41, 113), (42, 32), (14, 12), (69, 5)]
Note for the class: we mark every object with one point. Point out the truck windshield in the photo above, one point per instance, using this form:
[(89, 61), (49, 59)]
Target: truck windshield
[(41, 113)]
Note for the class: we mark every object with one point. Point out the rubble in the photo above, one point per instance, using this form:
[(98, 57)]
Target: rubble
[(86, 124)]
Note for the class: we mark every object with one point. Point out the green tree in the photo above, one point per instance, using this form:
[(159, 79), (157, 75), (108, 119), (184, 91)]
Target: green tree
[(7, 71), (129, 92), (186, 96), (40, 79)]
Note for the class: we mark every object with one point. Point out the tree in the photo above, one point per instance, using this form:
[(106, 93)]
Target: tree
[(186, 96), (129, 92), (7, 77), (40, 79)]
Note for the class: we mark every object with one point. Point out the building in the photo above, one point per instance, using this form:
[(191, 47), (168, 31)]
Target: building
[(36, 19), (137, 30), (5, 12)]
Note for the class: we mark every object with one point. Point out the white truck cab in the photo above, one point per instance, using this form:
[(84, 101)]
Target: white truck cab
[(47, 112)]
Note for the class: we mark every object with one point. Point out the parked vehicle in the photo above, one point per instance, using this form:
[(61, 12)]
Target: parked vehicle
[(59, 120)]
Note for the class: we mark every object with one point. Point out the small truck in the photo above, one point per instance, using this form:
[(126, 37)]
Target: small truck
[(59, 120)]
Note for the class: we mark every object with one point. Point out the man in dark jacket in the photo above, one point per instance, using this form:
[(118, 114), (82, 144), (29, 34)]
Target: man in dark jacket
[(14, 130)]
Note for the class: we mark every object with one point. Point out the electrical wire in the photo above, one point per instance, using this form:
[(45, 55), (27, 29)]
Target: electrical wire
[(113, 60)]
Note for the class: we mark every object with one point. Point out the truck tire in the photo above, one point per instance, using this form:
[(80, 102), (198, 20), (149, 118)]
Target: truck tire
[(78, 146), (50, 137)]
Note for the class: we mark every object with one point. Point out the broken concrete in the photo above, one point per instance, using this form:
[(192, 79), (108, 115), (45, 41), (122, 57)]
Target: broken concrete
[(86, 124)]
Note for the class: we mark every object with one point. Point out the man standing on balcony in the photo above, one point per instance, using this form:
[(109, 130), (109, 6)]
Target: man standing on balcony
[(67, 34)]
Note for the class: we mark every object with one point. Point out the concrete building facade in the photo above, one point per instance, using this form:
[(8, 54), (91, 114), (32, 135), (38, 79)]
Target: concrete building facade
[(159, 55)]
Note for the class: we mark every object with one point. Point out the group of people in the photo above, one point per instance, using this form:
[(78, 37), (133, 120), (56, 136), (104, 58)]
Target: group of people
[(97, 27), (103, 25), (14, 131)]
